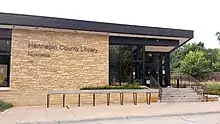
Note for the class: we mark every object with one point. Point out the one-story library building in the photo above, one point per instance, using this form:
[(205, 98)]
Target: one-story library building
[(38, 54)]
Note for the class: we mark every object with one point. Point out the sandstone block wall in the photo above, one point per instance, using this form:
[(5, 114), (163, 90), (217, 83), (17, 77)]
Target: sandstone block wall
[(49, 60)]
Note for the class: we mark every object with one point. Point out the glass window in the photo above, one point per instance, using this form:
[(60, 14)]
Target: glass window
[(137, 52), (126, 72), (125, 52), (114, 52), (4, 46), (138, 73), (114, 72), (122, 69), (132, 64), (4, 62)]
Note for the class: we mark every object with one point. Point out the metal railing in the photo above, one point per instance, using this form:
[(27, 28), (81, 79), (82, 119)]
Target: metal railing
[(135, 92), (155, 84), (179, 80)]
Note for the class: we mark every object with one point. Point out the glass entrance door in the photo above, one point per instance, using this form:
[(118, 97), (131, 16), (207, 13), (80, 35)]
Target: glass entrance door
[(154, 67), (151, 71), (131, 64), (138, 73)]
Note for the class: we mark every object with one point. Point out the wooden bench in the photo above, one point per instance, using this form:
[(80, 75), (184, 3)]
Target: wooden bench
[(107, 92)]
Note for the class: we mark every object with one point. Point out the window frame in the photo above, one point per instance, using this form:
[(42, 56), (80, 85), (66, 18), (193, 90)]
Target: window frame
[(8, 54)]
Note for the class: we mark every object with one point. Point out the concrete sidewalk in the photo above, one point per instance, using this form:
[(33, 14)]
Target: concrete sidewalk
[(54, 114)]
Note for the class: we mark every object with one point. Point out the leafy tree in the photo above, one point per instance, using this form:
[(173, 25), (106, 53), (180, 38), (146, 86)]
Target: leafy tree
[(213, 56), (216, 64), (195, 64), (180, 53), (218, 35), (210, 54)]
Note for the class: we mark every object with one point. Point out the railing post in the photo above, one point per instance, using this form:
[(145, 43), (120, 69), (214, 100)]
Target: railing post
[(93, 99), (135, 98), (147, 98), (121, 98), (178, 83), (108, 99), (48, 100), (79, 100), (160, 94), (63, 100), (203, 96)]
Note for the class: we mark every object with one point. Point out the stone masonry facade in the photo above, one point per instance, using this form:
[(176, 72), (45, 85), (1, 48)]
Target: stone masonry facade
[(47, 60), (51, 60)]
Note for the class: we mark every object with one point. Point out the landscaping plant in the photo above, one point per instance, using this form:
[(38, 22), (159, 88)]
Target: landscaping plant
[(114, 87), (4, 105), (213, 89)]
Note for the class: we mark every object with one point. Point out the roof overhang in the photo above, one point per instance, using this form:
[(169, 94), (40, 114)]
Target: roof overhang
[(18, 21)]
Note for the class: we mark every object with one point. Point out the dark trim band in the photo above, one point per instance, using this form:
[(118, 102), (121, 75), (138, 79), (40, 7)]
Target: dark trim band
[(5, 33), (142, 41), (60, 23)]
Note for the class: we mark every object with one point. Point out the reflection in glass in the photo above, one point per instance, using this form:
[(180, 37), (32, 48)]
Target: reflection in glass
[(125, 53), (3, 75), (137, 52), (138, 73), (4, 62), (126, 72), (114, 73), (130, 64), (4, 46)]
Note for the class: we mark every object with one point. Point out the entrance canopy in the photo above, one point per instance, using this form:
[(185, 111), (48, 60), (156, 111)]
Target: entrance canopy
[(155, 39)]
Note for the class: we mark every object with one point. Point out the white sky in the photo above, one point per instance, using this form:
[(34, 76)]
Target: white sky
[(202, 16)]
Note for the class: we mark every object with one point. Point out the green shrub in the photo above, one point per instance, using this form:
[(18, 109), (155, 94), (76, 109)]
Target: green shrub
[(113, 87), (213, 89), (4, 105)]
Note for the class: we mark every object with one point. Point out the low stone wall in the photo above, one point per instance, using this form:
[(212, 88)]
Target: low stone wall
[(100, 98), (212, 98)]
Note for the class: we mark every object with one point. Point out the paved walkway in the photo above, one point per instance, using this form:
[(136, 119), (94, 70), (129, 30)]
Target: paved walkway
[(88, 112), (187, 119)]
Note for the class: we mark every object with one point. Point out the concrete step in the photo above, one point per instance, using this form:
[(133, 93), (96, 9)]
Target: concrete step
[(169, 98), (180, 92), (183, 100), (189, 96), (194, 100), (187, 90), (188, 93), (180, 95), (176, 88), (181, 89), (192, 97), (200, 90)]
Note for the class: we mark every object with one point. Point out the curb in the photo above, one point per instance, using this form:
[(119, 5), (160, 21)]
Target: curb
[(121, 118)]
